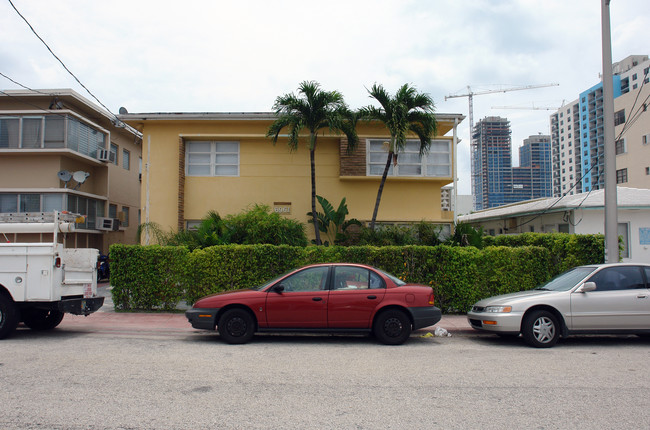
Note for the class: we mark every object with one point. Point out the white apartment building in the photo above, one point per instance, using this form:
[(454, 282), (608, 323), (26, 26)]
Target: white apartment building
[(577, 133)]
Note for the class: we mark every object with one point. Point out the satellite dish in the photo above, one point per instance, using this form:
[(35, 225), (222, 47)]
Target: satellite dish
[(80, 176), (123, 111), (64, 175)]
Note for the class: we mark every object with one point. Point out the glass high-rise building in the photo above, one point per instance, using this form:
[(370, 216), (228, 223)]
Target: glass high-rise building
[(495, 181), (492, 162)]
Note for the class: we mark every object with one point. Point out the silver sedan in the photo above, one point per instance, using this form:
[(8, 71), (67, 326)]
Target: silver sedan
[(602, 299)]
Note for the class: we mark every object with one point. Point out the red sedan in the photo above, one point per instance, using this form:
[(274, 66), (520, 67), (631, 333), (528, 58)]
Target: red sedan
[(327, 298)]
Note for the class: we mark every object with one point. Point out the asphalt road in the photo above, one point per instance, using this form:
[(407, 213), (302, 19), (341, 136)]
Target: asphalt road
[(125, 376)]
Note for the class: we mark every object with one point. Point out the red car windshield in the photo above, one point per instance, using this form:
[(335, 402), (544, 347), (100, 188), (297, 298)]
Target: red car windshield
[(395, 279)]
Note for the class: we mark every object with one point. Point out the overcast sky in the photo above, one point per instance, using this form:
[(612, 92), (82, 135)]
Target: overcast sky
[(223, 56)]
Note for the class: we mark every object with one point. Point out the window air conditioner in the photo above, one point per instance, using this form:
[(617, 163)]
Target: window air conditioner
[(107, 224), (103, 155)]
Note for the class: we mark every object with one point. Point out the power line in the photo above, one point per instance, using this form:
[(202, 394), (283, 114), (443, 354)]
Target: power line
[(21, 85), (58, 102), (32, 104), (68, 70), (634, 116)]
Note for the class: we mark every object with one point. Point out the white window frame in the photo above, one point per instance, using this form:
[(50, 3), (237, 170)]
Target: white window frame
[(425, 163), (213, 164)]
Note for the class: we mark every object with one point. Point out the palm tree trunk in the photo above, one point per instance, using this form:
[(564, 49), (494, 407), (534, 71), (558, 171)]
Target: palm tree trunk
[(312, 152), (381, 190)]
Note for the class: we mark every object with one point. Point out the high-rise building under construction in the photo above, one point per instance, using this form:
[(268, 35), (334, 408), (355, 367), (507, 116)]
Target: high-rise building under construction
[(495, 181), (492, 162)]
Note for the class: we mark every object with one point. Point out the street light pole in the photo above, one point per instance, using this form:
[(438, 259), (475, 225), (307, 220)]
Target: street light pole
[(611, 208)]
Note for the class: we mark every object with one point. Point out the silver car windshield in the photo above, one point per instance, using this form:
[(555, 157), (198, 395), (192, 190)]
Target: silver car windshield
[(567, 280)]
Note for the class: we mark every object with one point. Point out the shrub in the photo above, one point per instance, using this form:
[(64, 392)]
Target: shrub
[(148, 277), (257, 225), (157, 277), (466, 235), (567, 250)]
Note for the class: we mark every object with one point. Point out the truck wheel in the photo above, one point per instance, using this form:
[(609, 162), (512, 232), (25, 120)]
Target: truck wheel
[(9, 316), (42, 319)]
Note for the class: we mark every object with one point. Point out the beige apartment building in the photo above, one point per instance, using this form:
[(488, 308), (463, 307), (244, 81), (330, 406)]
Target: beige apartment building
[(633, 132), (59, 151)]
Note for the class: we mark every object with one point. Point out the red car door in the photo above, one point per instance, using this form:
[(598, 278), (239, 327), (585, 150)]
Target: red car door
[(302, 301), (356, 293)]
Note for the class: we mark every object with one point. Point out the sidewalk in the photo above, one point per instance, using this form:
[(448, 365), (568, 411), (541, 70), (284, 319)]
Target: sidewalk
[(106, 319)]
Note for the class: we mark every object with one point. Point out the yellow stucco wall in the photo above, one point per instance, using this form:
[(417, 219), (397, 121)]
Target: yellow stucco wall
[(270, 174)]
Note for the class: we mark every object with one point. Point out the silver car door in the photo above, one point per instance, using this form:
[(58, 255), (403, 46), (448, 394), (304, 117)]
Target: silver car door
[(620, 302)]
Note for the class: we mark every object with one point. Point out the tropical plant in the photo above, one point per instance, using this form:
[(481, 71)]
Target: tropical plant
[(466, 235), (256, 225), (312, 110), (406, 112), (422, 234), (151, 232), (332, 222), (260, 225)]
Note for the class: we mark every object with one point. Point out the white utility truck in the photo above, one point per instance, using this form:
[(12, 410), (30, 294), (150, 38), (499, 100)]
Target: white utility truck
[(41, 281)]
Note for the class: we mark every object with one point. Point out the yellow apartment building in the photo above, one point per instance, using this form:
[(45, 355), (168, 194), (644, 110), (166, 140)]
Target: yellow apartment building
[(197, 162), (59, 151)]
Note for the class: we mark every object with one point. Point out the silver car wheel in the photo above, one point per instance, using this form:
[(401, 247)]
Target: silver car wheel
[(544, 329), (540, 328)]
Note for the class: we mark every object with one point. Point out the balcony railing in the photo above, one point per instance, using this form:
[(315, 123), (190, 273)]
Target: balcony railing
[(53, 131)]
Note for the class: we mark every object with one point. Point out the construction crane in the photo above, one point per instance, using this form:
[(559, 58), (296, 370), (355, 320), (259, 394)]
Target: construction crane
[(470, 96), (533, 107)]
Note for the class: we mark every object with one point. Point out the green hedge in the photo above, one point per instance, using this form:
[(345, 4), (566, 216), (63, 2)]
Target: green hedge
[(567, 250), (150, 277), (159, 277), (156, 277)]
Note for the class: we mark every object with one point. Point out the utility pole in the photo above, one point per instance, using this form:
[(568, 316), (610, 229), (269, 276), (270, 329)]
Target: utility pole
[(611, 206)]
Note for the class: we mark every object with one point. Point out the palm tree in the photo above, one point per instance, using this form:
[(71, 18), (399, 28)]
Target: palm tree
[(406, 112), (312, 110)]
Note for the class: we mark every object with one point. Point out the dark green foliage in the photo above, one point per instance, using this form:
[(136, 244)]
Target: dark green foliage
[(567, 250), (258, 225), (148, 277), (422, 233), (466, 235), (333, 223), (428, 234), (407, 112), (392, 235), (155, 277), (312, 111), (212, 231), (158, 277)]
